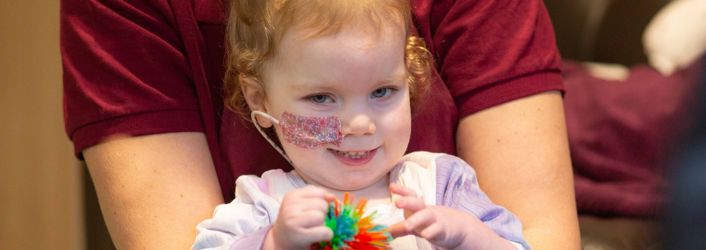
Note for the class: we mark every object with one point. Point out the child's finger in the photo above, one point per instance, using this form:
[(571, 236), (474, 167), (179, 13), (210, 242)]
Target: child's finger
[(398, 229), (295, 209), (433, 233), (329, 197), (409, 201), (311, 197), (316, 234), (401, 190), (410, 205), (420, 221), (312, 204), (309, 219)]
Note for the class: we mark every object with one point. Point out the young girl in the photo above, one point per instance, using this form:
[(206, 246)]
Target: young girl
[(336, 82)]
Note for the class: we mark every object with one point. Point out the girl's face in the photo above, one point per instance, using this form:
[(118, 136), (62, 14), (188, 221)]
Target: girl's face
[(360, 77)]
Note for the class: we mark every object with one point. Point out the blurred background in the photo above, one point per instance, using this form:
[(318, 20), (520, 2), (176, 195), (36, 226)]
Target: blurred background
[(42, 205), (620, 154)]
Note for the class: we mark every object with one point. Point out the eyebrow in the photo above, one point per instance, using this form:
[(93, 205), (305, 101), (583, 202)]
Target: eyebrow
[(308, 86), (329, 86)]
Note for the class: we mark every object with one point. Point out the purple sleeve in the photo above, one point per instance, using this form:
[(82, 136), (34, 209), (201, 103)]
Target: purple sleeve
[(251, 241), (457, 187)]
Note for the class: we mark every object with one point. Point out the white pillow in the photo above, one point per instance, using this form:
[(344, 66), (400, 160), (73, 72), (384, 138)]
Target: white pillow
[(676, 36)]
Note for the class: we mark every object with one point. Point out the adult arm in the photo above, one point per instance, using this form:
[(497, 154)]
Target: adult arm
[(153, 190), (501, 65), (131, 110), (520, 152)]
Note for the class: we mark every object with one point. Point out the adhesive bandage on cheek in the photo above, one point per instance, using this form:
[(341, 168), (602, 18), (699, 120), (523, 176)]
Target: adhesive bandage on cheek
[(311, 132), (303, 131)]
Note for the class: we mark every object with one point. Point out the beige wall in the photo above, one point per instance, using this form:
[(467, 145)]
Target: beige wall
[(40, 181)]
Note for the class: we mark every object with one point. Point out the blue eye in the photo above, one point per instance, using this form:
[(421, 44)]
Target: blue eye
[(320, 98), (381, 92)]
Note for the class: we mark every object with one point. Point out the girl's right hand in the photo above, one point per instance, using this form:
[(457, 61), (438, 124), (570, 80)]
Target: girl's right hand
[(301, 219)]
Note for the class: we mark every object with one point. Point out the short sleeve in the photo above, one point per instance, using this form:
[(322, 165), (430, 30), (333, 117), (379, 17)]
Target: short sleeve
[(124, 71), (490, 51)]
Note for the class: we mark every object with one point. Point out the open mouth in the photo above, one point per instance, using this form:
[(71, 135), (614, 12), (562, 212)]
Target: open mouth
[(352, 154), (354, 157)]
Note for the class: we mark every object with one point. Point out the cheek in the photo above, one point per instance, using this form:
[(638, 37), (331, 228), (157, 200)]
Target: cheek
[(291, 150), (404, 117), (404, 130), (398, 126), (299, 156), (401, 123)]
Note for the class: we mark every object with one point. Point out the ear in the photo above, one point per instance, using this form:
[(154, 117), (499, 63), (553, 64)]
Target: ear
[(254, 94)]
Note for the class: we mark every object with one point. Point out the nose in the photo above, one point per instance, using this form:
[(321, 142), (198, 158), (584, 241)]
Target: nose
[(360, 124)]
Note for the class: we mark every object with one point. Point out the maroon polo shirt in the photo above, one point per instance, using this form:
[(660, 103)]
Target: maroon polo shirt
[(147, 67)]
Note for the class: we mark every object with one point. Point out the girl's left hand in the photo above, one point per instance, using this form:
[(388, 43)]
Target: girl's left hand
[(444, 227), (422, 221)]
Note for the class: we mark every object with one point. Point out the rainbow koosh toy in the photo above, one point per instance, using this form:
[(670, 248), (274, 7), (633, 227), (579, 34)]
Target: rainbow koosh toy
[(352, 230)]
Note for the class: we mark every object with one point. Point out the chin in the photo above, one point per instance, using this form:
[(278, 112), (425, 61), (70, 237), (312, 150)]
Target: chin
[(355, 183), (349, 186)]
